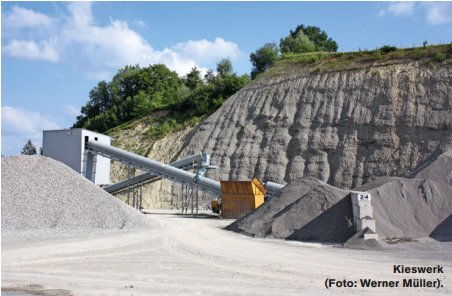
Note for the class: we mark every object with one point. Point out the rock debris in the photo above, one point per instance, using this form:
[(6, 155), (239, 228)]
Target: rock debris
[(39, 194)]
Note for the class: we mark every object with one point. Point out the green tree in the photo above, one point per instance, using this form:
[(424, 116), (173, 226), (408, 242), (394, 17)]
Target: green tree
[(224, 67), (298, 44), (318, 37), (127, 79), (200, 101), (158, 82), (209, 77), (180, 96), (263, 58), (142, 105), (99, 102), (29, 149), (193, 79)]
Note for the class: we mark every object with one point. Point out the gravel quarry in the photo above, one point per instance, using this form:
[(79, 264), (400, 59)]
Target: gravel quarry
[(62, 235)]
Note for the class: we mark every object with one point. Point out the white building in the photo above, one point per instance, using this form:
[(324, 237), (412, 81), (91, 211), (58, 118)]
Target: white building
[(68, 146)]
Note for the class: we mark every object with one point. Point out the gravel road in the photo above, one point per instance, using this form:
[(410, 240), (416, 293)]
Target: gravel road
[(196, 256)]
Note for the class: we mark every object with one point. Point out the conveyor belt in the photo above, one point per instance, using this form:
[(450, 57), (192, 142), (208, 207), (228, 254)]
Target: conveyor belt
[(184, 164), (156, 168)]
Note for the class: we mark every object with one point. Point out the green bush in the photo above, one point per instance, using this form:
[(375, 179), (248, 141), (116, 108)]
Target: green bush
[(440, 57), (377, 54), (387, 48), (417, 53)]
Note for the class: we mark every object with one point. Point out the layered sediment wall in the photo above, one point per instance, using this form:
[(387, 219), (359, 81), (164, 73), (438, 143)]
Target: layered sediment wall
[(345, 128)]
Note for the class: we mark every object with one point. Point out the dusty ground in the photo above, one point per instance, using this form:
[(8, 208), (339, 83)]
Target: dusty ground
[(195, 256)]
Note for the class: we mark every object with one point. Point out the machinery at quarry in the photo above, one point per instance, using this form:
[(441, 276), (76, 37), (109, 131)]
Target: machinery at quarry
[(230, 199)]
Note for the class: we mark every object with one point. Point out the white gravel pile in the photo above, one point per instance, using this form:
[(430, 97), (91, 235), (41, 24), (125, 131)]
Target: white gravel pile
[(39, 194)]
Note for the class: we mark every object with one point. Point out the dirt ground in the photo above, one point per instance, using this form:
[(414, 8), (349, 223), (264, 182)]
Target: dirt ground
[(196, 256)]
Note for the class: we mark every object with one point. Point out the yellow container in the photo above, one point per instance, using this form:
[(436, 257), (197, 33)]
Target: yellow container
[(238, 198), (215, 206)]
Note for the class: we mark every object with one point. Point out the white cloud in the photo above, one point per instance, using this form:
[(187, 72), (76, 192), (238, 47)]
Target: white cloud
[(402, 8), (25, 122), (70, 110), (21, 17), (99, 51), (435, 12), (399, 9), (18, 126), (141, 23), (30, 50), (438, 12), (207, 50), (81, 13)]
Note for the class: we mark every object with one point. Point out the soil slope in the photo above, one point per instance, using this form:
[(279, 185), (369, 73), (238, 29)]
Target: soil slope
[(345, 128)]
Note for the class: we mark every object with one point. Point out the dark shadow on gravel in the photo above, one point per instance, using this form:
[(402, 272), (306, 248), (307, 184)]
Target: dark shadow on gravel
[(329, 227), (189, 216), (443, 232)]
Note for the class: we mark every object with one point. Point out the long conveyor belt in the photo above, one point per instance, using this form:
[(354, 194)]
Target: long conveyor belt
[(185, 164), (156, 168)]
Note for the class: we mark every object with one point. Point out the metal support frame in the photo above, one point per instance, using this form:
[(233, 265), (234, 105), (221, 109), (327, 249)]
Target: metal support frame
[(190, 199)]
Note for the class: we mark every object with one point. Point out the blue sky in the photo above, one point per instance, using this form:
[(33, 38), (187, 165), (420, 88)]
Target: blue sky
[(54, 53)]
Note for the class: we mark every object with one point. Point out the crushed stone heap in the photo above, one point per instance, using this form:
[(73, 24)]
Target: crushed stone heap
[(437, 168), (306, 209), (411, 207), (311, 210), (39, 193)]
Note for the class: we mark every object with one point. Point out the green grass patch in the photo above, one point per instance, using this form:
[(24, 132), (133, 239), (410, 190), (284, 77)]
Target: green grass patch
[(290, 63), (440, 57)]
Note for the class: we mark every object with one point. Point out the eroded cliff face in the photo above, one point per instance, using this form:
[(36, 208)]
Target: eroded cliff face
[(158, 194), (345, 128)]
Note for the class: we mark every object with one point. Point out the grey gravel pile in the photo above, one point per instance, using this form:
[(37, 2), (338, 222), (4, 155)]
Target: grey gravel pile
[(306, 210), (39, 193), (411, 207), (310, 210), (438, 169)]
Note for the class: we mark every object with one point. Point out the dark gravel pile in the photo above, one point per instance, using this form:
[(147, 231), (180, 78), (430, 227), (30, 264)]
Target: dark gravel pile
[(39, 193), (306, 209), (310, 210)]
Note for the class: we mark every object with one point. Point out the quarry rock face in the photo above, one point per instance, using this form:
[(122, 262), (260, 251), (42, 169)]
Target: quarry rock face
[(345, 128)]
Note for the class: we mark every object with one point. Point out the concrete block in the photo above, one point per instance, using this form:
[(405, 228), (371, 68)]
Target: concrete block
[(364, 202), (363, 223), (355, 210), (360, 197), (361, 212)]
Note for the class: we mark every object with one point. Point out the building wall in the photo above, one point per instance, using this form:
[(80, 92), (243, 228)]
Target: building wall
[(102, 169), (64, 146), (68, 146)]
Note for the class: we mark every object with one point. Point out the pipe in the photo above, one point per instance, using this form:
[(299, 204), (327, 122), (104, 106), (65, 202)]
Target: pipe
[(273, 188), (157, 168), (184, 163)]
